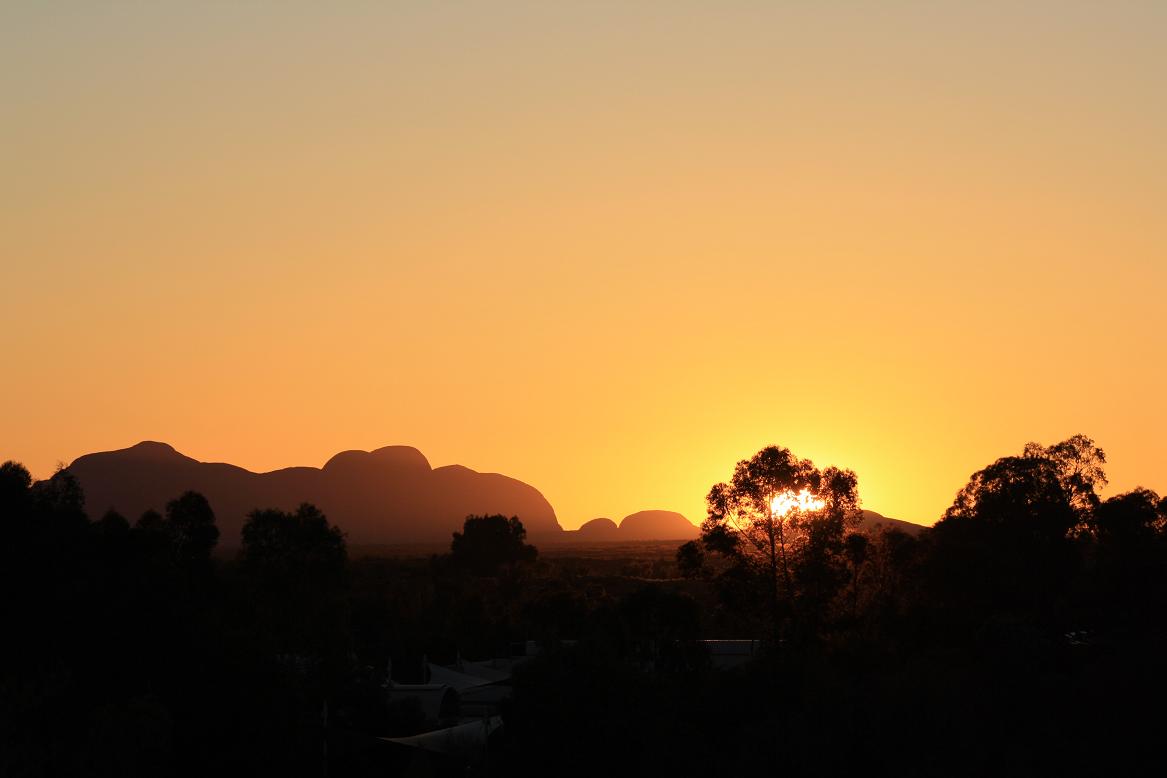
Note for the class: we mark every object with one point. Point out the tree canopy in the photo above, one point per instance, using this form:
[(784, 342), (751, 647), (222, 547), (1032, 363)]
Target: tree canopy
[(1051, 489), (296, 567), (486, 544), (782, 520), (193, 523), (129, 650)]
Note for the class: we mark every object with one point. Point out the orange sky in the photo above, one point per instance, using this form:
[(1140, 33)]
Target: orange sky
[(606, 248)]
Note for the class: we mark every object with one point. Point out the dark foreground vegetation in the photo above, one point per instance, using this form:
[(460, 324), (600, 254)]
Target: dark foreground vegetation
[(1023, 635)]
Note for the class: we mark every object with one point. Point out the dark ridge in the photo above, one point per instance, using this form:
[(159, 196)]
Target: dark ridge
[(390, 495), (657, 525), (598, 529), (873, 521)]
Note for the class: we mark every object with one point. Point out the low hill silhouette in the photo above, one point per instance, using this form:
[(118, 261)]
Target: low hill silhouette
[(597, 529), (390, 495), (668, 525), (875, 521), (657, 525), (643, 525)]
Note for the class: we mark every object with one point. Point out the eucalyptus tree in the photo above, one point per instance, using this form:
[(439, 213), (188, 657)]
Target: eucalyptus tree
[(1050, 490), (784, 520)]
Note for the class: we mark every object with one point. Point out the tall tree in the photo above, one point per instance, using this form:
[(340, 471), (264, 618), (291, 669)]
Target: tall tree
[(783, 520), (192, 523), (296, 566), (1011, 530), (15, 483), (1049, 489), (487, 544), (1080, 466)]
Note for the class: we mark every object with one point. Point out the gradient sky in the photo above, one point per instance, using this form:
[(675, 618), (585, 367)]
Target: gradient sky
[(606, 248)]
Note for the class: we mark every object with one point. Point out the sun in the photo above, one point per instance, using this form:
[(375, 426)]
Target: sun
[(788, 501)]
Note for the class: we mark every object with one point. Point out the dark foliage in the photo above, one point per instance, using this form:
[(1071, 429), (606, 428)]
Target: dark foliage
[(793, 554), (1023, 634), (691, 559), (487, 544)]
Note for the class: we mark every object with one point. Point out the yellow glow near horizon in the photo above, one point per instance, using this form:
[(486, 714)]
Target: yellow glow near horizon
[(788, 501), (546, 239)]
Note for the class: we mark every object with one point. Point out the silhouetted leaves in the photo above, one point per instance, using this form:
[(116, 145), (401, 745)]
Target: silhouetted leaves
[(14, 491), (295, 564), (691, 559), (1018, 634), (193, 525), (798, 553), (487, 544)]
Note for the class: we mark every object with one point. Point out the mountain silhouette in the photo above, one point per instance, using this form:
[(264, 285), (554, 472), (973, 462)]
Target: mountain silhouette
[(657, 525), (643, 525), (390, 495), (668, 525), (875, 521), (598, 529)]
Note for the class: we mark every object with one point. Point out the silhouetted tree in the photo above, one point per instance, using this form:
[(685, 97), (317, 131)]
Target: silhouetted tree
[(856, 547), (1130, 557), (193, 529), (990, 637), (487, 544), (296, 567), (303, 540), (1007, 545), (1050, 489), (15, 482), (784, 519), (1016, 490), (59, 499), (1133, 517), (891, 561), (152, 521), (691, 559), (113, 523), (154, 537), (1080, 467), (820, 562)]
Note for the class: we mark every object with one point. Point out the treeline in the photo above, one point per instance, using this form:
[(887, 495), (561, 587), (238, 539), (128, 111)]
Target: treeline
[(1027, 541), (130, 650), (1023, 634), (137, 648)]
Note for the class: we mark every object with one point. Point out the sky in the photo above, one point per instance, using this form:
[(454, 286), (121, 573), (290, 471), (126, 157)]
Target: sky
[(608, 248)]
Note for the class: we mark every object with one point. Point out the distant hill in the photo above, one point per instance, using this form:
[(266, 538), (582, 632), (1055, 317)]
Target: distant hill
[(667, 525), (390, 495), (597, 529), (875, 521), (657, 525), (644, 525), (387, 496)]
